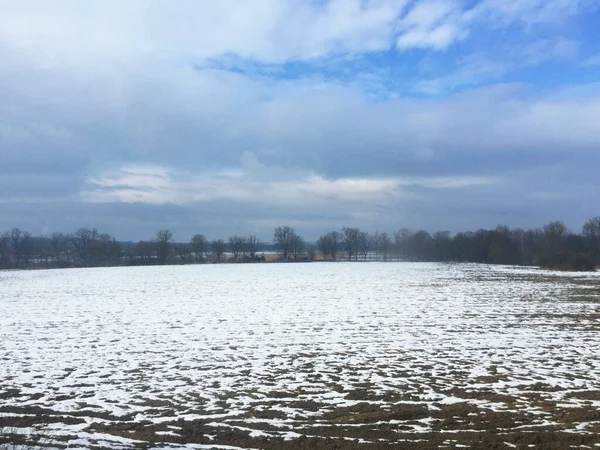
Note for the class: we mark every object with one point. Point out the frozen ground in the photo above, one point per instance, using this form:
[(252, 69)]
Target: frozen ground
[(276, 356)]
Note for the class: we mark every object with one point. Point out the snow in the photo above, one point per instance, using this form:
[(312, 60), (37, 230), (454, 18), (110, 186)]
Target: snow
[(119, 339)]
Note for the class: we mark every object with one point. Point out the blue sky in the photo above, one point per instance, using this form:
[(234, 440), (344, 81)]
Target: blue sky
[(236, 117)]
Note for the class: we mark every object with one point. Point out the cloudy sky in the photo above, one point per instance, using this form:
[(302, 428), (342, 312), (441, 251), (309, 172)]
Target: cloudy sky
[(235, 116)]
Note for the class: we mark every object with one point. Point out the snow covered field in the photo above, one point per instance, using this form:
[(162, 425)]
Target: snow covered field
[(345, 355)]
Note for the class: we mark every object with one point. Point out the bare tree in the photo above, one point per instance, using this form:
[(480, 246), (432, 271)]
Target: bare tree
[(350, 238), (81, 240), (402, 243), (283, 238), (20, 243), (218, 248), (15, 245), (183, 251), (252, 243), (592, 227), (103, 250), (376, 244), (164, 240), (324, 246), (237, 245), (442, 243), (297, 246), (44, 250), (385, 245), (328, 244), (144, 253), (58, 245), (199, 244), (591, 231), (422, 246), (554, 234), (5, 250), (26, 247), (334, 240), (517, 235), (398, 244), (364, 244)]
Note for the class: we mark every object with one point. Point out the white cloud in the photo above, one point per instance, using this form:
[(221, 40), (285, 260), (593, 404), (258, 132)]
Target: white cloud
[(430, 14), (91, 35), (435, 24), (268, 30), (159, 185), (501, 13), (482, 67), (542, 50), (471, 70), (592, 61), (94, 90), (437, 38), (272, 186)]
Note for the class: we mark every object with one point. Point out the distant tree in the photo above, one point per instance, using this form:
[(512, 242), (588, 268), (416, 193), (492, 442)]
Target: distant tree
[(104, 251), (199, 244), (422, 245), (252, 243), (218, 248), (328, 244), (402, 244), (58, 245), (385, 245), (376, 244), (591, 232), (143, 253), (323, 245), (282, 239), (5, 250), (183, 252), (350, 239), (164, 241), (334, 238), (502, 248), (554, 235), (552, 246), (81, 241), (296, 246), (555, 230), (532, 242), (364, 244), (237, 245), (442, 245), (398, 244), (517, 236), (20, 243), (480, 246), (14, 243), (592, 227), (42, 251)]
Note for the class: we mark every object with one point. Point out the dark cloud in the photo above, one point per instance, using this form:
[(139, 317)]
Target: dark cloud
[(312, 151)]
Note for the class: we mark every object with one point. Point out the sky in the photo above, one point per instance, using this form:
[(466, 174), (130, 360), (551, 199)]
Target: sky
[(234, 117)]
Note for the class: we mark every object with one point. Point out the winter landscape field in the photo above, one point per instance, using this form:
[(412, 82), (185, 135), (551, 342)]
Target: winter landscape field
[(301, 356)]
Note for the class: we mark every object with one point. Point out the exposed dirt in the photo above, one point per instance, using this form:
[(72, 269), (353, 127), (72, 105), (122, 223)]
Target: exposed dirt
[(365, 425), (480, 359)]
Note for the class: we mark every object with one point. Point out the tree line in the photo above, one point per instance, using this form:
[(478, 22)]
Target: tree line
[(87, 247), (552, 246)]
